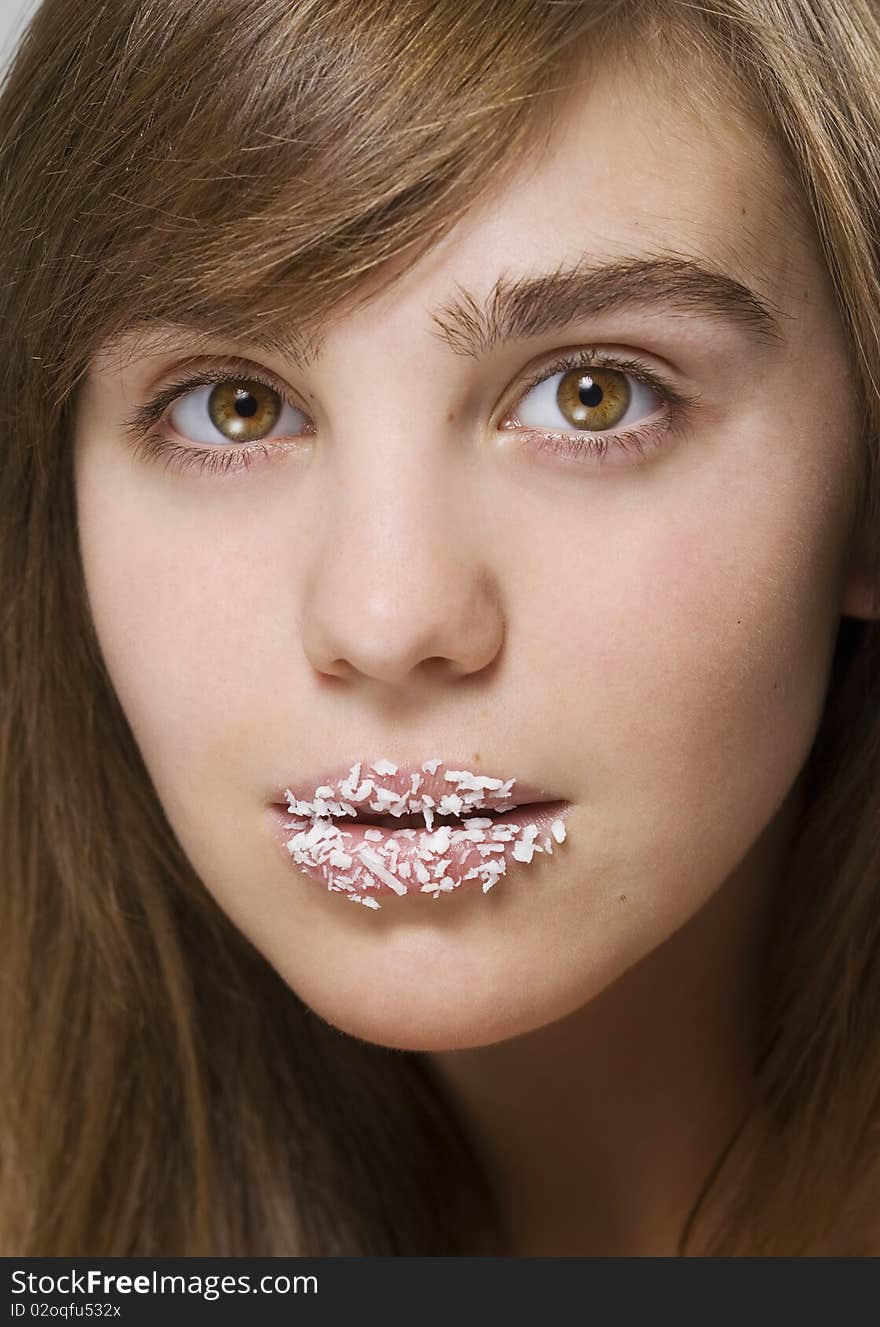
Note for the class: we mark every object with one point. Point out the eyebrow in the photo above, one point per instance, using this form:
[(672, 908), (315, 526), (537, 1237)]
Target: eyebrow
[(532, 306)]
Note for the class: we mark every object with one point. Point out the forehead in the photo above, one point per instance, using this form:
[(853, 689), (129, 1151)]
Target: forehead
[(630, 167)]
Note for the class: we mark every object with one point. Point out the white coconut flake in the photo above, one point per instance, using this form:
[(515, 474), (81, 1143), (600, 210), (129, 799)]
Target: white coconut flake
[(431, 766), (363, 898), (557, 829), (450, 805), (472, 782), (375, 835), (385, 797), (438, 841), (385, 767), (317, 832), (374, 861), (523, 852), (338, 858)]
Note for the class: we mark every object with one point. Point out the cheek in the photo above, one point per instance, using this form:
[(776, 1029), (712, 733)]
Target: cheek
[(186, 618), (704, 642)]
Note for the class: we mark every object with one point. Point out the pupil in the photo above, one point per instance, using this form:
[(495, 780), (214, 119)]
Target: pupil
[(245, 403), (589, 392)]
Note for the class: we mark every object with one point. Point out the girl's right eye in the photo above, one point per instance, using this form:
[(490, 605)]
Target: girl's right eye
[(238, 410)]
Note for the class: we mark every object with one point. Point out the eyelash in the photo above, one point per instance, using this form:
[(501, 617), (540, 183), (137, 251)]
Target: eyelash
[(155, 446)]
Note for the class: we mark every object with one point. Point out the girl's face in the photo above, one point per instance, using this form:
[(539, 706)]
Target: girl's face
[(647, 638)]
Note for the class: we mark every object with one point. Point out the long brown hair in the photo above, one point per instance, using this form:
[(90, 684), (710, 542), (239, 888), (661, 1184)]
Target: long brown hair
[(162, 1091)]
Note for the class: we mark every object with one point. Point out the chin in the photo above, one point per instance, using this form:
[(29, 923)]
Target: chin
[(434, 1032), (434, 1021)]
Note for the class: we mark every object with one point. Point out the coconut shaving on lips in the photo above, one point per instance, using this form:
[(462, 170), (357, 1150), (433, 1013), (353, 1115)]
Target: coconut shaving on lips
[(360, 859)]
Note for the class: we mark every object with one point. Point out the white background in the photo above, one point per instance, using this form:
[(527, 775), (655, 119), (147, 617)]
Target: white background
[(13, 15)]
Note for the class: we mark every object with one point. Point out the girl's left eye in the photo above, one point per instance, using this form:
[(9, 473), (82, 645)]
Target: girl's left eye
[(590, 404), (586, 397), (237, 410)]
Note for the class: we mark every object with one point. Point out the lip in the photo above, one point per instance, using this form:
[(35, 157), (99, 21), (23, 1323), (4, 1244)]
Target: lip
[(318, 834), (433, 783)]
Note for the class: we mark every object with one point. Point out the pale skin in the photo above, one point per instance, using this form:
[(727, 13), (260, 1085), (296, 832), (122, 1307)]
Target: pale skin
[(650, 642)]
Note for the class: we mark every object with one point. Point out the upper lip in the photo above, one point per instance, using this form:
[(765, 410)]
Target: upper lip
[(435, 784)]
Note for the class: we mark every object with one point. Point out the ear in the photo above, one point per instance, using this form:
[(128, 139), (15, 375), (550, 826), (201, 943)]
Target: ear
[(861, 585)]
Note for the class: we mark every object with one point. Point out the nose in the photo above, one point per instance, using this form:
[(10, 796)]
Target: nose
[(398, 588)]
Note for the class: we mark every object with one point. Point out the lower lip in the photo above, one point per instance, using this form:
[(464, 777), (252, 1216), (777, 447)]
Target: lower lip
[(444, 871)]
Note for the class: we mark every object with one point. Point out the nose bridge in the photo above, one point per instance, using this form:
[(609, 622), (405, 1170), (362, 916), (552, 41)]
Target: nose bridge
[(399, 573), (385, 380), (390, 474)]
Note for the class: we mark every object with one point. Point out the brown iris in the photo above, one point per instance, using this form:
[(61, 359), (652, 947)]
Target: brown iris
[(244, 410), (593, 398)]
